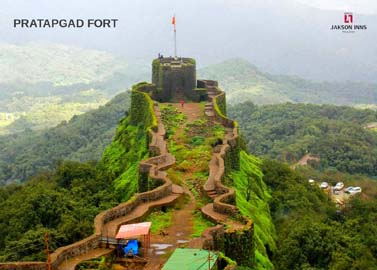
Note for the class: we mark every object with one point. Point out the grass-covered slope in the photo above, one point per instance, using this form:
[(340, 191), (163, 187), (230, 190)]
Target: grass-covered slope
[(121, 158), (243, 81), (335, 134), (83, 138), (252, 200)]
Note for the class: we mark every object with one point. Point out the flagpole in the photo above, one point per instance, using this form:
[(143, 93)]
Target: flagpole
[(175, 42), (175, 36)]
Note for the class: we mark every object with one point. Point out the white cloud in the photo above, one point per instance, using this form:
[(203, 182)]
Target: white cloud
[(357, 6)]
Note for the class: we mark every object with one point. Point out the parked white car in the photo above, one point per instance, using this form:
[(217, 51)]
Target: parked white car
[(354, 190), (339, 186), (311, 181), (324, 185)]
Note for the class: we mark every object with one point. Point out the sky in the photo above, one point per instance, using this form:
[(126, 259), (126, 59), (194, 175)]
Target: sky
[(357, 6), (280, 36)]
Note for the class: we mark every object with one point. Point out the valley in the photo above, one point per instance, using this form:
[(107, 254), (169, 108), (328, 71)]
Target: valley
[(199, 170)]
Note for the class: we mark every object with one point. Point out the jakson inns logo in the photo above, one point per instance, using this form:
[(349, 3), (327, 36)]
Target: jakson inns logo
[(348, 18), (348, 26)]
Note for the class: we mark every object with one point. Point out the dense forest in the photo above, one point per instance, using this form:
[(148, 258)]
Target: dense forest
[(311, 233), (83, 138), (64, 201), (335, 134)]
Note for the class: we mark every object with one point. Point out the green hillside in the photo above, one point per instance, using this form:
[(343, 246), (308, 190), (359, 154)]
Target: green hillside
[(65, 199), (44, 84), (243, 81), (311, 232), (82, 138), (290, 225), (289, 131)]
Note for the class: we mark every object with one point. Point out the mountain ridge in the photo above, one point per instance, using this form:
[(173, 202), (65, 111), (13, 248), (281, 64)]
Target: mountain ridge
[(244, 81)]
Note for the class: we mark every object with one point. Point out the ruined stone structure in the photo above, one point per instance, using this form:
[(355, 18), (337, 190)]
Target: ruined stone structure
[(174, 79)]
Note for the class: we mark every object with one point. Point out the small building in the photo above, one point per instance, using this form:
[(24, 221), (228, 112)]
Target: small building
[(132, 231), (191, 259)]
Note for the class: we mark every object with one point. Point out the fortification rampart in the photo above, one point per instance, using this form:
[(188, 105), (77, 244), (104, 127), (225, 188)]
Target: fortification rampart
[(237, 241)]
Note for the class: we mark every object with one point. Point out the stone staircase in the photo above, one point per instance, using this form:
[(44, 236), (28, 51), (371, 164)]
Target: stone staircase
[(208, 109), (222, 196), (212, 193), (212, 92)]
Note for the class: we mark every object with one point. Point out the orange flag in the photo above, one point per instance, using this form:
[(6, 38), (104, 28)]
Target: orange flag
[(173, 20)]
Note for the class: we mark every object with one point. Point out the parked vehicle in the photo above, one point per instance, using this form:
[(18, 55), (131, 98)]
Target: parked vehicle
[(324, 185), (354, 190), (311, 181), (348, 189), (339, 186)]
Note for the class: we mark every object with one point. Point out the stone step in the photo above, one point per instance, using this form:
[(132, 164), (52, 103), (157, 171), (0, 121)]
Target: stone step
[(210, 113), (212, 193)]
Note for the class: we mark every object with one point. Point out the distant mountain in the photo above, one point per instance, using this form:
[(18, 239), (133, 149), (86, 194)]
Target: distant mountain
[(83, 138), (44, 84), (56, 63), (243, 81)]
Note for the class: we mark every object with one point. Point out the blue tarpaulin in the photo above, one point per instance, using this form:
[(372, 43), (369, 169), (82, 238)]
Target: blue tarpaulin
[(132, 248)]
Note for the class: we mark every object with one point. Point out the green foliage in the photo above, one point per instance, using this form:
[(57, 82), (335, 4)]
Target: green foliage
[(160, 220), (289, 131), (83, 138), (252, 200), (171, 118), (220, 105), (66, 201), (197, 140), (141, 111), (311, 234), (63, 203), (121, 158), (200, 224)]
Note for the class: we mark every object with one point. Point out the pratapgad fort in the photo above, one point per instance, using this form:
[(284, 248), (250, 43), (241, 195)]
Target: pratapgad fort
[(173, 79)]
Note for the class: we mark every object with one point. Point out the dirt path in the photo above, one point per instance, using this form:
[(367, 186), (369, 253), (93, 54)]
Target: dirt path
[(192, 110), (304, 160), (179, 233), (176, 235)]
